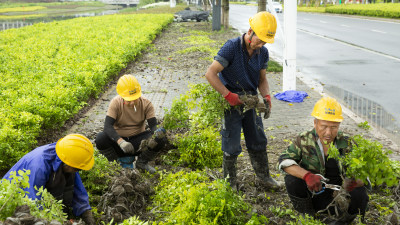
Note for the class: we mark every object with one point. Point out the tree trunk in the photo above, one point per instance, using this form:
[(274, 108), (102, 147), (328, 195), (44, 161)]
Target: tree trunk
[(205, 5), (225, 13), (262, 5)]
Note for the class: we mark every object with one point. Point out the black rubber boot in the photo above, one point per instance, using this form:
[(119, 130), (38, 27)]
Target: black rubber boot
[(259, 161), (302, 205), (109, 153), (144, 158), (229, 167)]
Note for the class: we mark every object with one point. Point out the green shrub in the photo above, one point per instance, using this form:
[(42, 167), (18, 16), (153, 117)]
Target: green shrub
[(178, 115), (199, 149), (189, 198), (200, 107), (207, 106), (13, 195), (199, 111), (369, 160)]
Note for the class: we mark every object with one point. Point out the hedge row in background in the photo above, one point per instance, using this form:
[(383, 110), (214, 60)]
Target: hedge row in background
[(48, 71), (21, 9), (8, 4), (388, 10)]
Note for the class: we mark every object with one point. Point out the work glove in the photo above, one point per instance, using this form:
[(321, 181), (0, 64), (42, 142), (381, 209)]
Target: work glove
[(349, 184), (127, 147), (313, 181), (88, 218), (233, 99), (267, 102)]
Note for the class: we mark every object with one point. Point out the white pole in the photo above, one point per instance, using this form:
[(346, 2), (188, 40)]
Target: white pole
[(172, 3), (289, 56)]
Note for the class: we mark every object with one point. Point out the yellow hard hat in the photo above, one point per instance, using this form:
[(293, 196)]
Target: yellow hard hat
[(129, 88), (329, 109), (264, 25), (76, 151)]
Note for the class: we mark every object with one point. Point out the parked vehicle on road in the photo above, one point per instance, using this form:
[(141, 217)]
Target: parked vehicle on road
[(277, 6)]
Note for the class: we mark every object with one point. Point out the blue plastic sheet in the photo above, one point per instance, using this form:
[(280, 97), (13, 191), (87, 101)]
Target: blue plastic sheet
[(291, 96)]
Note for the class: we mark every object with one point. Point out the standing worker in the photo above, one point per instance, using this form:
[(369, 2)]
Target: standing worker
[(307, 164), (125, 135), (240, 69), (56, 167)]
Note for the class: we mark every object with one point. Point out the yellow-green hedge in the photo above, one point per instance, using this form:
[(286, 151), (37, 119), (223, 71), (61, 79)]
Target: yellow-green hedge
[(311, 9), (390, 10), (22, 9)]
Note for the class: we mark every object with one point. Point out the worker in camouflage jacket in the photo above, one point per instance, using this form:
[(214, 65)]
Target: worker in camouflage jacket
[(306, 165)]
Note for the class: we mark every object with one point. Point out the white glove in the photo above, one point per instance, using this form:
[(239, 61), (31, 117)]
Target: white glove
[(127, 147)]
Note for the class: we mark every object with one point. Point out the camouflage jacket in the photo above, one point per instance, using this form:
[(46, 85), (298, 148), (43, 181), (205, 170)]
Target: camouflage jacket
[(306, 152)]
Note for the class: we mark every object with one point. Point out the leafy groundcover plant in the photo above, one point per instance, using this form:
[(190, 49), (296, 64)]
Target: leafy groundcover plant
[(368, 160), (12, 195)]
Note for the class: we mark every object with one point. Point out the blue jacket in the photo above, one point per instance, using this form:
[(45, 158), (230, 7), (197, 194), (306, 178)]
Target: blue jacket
[(42, 161)]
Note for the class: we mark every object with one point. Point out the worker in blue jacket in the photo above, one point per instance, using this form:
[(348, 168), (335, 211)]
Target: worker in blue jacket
[(56, 167)]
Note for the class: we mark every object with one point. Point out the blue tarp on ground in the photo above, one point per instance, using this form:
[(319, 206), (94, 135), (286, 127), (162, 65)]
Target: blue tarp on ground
[(291, 96)]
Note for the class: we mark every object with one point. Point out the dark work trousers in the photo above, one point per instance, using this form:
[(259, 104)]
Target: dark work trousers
[(234, 120), (298, 187), (104, 142)]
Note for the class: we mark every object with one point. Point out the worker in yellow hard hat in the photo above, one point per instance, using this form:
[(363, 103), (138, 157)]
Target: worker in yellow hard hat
[(307, 165), (125, 135), (238, 69), (56, 167)]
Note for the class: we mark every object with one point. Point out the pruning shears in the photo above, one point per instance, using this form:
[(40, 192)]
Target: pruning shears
[(326, 185)]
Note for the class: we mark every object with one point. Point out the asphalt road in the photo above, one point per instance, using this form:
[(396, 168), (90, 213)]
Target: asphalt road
[(357, 60)]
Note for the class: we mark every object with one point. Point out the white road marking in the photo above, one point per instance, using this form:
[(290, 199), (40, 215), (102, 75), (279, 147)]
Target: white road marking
[(378, 31), (349, 44)]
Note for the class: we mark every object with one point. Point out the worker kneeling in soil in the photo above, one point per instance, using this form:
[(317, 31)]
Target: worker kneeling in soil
[(307, 166), (56, 167), (125, 135)]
